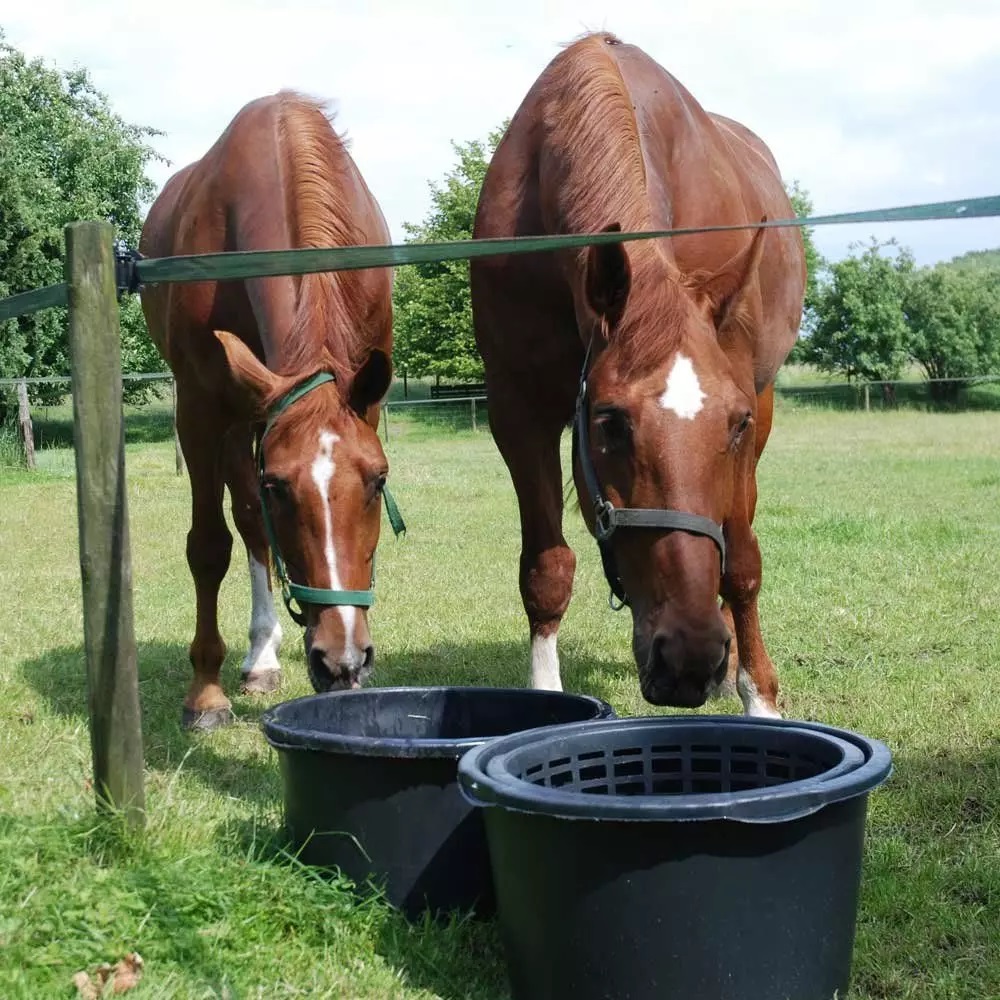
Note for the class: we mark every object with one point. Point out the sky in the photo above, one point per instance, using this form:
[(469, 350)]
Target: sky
[(866, 103)]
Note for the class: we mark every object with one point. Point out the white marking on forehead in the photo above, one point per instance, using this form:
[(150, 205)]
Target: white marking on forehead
[(683, 393), (323, 467)]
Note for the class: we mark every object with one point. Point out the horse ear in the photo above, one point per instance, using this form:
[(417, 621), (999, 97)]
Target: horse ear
[(255, 379), (726, 288), (371, 382), (609, 278)]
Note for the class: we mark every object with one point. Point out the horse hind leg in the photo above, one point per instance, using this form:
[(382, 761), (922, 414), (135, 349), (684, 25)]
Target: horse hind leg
[(209, 549), (260, 670)]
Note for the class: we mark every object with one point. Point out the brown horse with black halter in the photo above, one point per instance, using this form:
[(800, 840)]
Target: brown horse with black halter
[(662, 353), (310, 356)]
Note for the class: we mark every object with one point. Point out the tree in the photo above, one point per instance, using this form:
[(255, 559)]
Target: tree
[(431, 302), (815, 264), (944, 337), (64, 155), (860, 328), (803, 207), (977, 260)]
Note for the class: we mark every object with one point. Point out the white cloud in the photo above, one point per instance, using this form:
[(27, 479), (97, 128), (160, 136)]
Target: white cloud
[(866, 104)]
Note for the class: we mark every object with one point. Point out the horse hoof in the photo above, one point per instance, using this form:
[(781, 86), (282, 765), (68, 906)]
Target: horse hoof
[(207, 721), (261, 682)]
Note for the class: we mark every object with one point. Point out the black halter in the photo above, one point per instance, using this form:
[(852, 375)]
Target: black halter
[(608, 518)]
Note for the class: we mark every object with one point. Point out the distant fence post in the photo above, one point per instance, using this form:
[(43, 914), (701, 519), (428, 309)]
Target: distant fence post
[(102, 510), (24, 422), (474, 415), (868, 398), (178, 452), (385, 421)]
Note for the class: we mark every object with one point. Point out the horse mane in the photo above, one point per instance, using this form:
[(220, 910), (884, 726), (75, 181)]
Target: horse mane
[(599, 177), (600, 174), (317, 170)]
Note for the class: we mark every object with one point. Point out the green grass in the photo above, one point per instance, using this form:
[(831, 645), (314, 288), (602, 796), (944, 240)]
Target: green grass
[(881, 541)]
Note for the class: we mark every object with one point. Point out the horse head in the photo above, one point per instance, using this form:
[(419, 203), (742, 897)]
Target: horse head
[(664, 448), (322, 474)]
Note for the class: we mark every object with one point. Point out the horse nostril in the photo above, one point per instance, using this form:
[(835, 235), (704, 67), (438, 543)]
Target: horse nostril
[(369, 658), (317, 664)]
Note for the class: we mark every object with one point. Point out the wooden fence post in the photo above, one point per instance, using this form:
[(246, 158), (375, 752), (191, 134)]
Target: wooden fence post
[(24, 421), (178, 452), (102, 510), (474, 415), (868, 398)]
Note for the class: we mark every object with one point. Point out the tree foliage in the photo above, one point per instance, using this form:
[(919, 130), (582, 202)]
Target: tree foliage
[(860, 328), (64, 155), (432, 305), (953, 320), (803, 206)]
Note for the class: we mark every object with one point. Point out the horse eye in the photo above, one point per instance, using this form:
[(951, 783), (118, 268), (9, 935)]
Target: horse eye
[(613, 428), (276, 488), (377, 484)]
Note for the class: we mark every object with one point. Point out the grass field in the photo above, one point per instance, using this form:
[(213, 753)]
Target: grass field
[(881, 603)]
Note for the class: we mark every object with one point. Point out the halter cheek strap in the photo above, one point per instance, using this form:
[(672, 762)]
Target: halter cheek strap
[(295, 591), (608, 518)]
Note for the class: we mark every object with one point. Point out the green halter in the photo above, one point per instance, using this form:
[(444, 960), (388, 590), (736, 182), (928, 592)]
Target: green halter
[(294, 591)]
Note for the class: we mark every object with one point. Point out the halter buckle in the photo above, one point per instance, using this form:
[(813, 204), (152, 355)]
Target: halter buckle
[(604, 525)]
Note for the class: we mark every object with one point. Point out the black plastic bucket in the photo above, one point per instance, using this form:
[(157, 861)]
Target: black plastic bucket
[(370, 783), (677, 858)]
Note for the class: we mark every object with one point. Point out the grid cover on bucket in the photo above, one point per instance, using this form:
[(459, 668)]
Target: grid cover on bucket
[(675, 768), (692, 762)]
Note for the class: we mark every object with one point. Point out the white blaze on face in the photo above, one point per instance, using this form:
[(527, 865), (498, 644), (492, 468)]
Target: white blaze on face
[(322, 472), (683, 394)]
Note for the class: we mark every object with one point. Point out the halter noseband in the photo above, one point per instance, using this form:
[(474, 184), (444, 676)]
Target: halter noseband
[(294, 591), (608, 518)]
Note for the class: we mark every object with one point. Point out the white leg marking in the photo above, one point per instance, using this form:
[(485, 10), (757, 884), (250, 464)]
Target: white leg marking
[(545, 663), (323, 467), (683, 394), (265, 629), (753, 703)]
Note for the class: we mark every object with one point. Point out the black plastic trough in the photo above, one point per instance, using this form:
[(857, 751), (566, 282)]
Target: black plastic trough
[(370, 783), (677, 858)]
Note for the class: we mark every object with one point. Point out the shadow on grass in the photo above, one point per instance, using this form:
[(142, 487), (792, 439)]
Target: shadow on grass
[(59, 676), (149, 424), (220, 760)]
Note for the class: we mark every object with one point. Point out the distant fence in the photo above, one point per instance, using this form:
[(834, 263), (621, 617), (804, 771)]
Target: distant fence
[(973, 393), (48, 425)]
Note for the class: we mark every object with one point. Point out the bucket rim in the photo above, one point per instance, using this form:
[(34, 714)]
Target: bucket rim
[(283, 736), (487, 786)]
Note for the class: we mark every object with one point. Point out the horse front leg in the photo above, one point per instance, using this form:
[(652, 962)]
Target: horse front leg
[(261, 670), (547, 563), (756, 677)]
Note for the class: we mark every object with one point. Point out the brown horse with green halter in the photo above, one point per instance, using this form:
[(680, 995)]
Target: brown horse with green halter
[(661, 353), (297, 365)]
